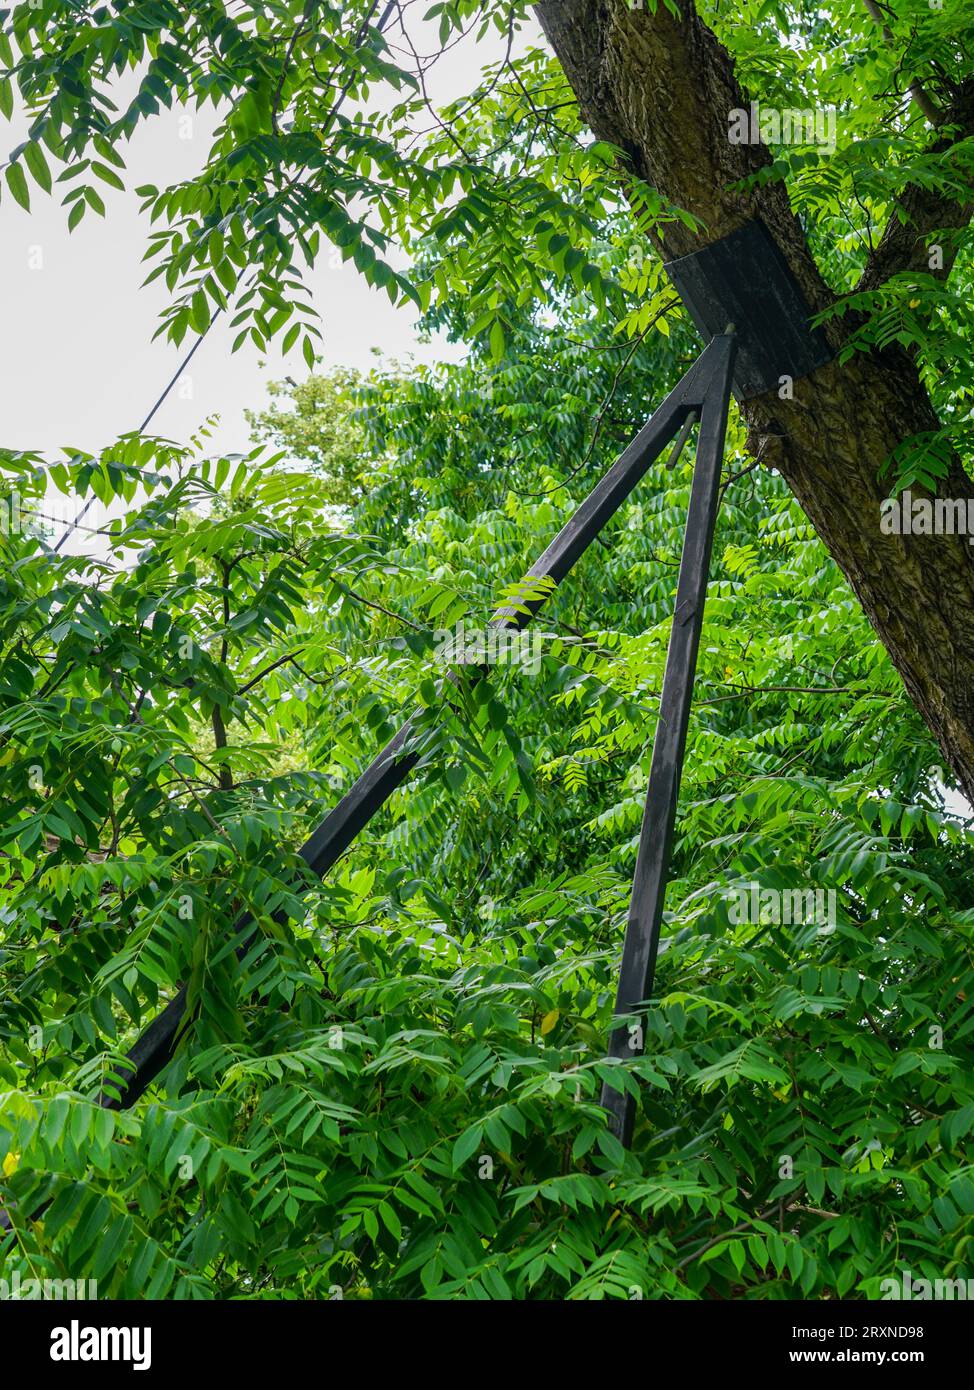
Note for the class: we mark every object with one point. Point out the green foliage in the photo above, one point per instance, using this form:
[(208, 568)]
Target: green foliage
[(394, 1093), (318, 428), (328, 143)]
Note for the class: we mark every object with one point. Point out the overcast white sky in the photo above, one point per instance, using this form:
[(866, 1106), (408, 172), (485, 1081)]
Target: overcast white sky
[(77, 362)]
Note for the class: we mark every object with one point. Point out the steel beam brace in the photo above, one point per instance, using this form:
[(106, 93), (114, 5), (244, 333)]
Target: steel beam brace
[(698, 393), (656, 835)]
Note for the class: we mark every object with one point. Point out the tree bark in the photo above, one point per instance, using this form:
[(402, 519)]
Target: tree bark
[(661, 88)]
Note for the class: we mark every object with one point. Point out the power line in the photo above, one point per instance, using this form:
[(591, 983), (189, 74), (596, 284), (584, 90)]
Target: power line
[(358, 41), (146, 422)]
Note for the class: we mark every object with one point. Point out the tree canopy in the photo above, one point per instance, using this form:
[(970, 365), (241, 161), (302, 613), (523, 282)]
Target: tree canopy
[(394, 1092)]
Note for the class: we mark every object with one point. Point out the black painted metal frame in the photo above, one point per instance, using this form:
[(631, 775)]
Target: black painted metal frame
[(702, 394), (744, 279), (656, 834)]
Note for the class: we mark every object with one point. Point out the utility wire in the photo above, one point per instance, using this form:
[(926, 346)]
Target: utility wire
[(146, 422), (358, 41)]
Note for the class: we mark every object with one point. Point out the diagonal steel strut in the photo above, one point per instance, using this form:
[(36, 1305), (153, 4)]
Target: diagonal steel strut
[(656, 835), (702, 392)]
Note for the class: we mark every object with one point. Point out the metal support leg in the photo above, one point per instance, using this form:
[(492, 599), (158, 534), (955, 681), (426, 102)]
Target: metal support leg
[(649, 885), (155, 1047)]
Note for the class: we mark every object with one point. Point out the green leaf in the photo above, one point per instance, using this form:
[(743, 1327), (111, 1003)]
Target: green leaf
[(37, 164), (467, 1144), (17, 184), (497, 341)]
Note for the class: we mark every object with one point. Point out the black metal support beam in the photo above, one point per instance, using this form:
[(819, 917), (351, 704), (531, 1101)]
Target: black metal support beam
[(655, 839), (155, 1047)]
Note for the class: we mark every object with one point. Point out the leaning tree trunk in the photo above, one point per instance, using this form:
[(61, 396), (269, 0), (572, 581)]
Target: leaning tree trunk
[(661, 89)]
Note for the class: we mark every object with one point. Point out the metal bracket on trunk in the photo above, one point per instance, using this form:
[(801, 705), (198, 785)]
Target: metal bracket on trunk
[(745, 280)]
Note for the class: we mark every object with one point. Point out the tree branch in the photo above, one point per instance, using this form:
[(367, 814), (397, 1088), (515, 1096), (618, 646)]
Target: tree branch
[(926, 104), (920, 212)]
